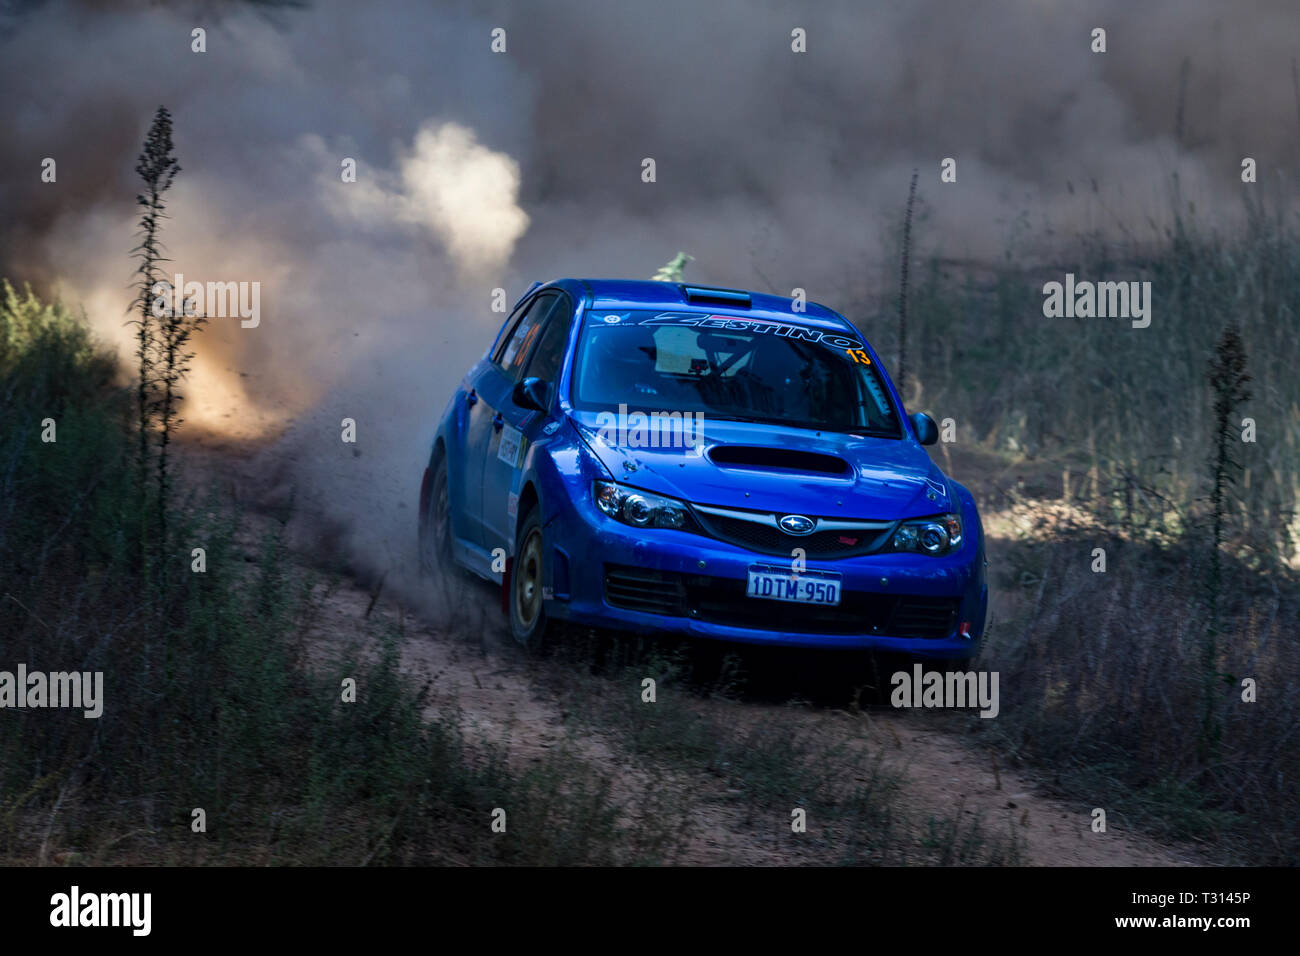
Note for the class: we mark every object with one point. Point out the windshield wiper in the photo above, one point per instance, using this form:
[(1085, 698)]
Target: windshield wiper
[(810, 426), (728, 417)]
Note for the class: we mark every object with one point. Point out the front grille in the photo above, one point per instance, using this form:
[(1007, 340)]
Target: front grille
[(766, 539), (758, 531), (724, 601)]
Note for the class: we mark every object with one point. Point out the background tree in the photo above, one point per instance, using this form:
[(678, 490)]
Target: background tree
[(1228, 378), (157, 167), (672, 270), (902, 289)]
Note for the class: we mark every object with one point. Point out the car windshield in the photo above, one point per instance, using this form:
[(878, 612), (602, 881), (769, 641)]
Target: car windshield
[(731, 367)]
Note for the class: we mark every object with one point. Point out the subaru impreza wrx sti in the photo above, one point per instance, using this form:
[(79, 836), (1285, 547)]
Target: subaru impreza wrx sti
[(655, 456)]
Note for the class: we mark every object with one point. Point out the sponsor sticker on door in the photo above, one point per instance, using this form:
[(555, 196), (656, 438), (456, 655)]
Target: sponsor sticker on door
[(508, 450)]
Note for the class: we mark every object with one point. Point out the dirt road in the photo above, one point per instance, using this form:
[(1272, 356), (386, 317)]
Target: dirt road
[(527, 707)]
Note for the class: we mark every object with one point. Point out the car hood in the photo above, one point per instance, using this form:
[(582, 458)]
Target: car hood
[(780, 469)]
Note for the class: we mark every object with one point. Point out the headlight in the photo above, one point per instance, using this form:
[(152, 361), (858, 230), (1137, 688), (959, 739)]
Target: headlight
[(935, 536), (638, 508)]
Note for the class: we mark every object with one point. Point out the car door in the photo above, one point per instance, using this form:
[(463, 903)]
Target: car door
[(493, 405), (490, 386), (520, 427)]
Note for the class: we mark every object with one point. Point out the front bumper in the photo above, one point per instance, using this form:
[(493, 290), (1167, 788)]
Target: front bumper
[(607, 574)]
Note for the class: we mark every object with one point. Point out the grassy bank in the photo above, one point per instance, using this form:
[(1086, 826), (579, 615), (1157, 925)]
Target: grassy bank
[(208, 704), (1126, 684)]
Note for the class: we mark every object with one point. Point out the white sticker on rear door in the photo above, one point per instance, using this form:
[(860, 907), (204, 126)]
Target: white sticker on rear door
[(508, 450)]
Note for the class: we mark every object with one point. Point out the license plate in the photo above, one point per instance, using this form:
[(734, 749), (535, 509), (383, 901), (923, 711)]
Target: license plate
[(808, 587)]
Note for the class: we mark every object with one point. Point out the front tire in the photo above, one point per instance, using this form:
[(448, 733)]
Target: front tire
[(528, 620)]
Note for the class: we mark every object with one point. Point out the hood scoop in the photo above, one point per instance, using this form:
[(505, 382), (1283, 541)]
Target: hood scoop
[(786, 460)]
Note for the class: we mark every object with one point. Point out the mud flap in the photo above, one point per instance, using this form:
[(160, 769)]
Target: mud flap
[(424, 496), (505, 588)]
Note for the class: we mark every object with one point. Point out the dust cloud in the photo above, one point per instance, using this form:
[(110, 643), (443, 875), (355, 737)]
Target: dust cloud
[(478, 170)]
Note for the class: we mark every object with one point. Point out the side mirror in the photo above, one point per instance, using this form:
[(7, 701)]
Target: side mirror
[(532, 393), (927, 432)]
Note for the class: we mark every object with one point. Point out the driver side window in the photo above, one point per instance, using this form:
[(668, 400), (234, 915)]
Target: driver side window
[(513, 350), (549, 354)]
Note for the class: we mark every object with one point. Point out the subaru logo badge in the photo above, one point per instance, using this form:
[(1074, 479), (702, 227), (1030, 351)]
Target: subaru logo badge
[(797, 524)]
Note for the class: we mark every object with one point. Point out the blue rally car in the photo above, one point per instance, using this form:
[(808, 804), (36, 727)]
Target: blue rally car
[(654, 456)]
